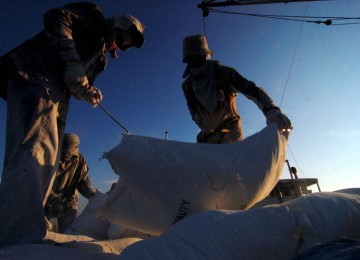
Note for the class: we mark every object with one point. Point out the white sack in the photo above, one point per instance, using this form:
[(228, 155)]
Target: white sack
[(162, 181), (274, 232), (116, 232), (89, 223)]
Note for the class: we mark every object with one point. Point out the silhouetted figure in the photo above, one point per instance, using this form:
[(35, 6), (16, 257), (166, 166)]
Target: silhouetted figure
[(210, 90), (38, 79)]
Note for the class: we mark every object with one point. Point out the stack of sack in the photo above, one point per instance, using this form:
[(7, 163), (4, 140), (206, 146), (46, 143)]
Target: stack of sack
[(281, 231)]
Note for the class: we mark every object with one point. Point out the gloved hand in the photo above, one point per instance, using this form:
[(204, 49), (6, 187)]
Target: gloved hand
[(275, 115), (76, 80), (92, 95)]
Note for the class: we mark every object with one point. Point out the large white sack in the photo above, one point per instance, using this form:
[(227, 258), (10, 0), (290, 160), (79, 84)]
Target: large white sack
[(116, 232), (162, 181), (274, 232)]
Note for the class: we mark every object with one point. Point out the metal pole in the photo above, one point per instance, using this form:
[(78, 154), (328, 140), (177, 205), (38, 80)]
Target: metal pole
[(287, 162), (113, 118)]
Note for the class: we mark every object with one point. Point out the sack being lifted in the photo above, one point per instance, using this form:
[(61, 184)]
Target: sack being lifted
[(162, 181)]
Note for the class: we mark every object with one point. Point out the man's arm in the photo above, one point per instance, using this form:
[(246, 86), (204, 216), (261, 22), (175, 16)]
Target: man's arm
[(249, 89), (58, 24), (85, 185)]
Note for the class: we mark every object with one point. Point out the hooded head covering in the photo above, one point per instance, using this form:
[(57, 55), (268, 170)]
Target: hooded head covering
[(70, 146), (127, 22)]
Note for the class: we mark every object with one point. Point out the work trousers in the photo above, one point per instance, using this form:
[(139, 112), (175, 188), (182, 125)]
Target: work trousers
[(36, 116), (65, 221)]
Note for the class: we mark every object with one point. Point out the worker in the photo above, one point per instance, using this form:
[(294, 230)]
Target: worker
[(71, 177), (38, 78), (293, 171), (210, 90)]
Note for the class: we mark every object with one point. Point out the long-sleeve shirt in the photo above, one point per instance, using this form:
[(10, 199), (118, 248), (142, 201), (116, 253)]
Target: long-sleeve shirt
[(74, 33), (72, 175), (225, 116)]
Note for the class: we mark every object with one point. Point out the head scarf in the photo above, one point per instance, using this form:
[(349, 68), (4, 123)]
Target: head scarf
[(70, 146), (125, 22), (203, 82)]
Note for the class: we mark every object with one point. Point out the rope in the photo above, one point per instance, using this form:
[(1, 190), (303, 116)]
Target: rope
[(293, 58), (204, 27)]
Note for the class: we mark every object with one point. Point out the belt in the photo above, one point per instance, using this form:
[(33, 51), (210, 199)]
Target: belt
[(220, 131)]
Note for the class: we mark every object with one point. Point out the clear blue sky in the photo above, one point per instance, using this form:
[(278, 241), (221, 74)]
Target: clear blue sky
[(142, 88)]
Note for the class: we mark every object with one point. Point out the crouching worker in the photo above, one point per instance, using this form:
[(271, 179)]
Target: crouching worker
[(72, 176)]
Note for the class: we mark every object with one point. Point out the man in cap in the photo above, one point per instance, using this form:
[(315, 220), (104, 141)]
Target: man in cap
[(72, 176), (37, 79), (210, 90)]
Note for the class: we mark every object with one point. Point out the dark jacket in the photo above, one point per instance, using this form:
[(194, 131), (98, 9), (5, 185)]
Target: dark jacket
[(72, 175), (229, 83), (75, 32)]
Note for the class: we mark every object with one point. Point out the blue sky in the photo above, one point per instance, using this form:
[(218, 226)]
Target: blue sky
[(318, 89)]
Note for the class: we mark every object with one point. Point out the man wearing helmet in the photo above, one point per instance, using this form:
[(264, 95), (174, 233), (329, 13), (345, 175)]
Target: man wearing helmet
[(37, 79), (210, 90)]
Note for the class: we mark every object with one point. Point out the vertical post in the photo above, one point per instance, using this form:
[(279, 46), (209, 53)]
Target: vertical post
[(287, 162)]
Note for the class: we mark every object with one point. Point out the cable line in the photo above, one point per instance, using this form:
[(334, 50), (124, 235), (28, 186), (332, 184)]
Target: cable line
[(293, 58), (203, 19), (287, 81), (296, 18)]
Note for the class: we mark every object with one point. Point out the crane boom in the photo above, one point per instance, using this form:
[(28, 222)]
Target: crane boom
[(207, 4)]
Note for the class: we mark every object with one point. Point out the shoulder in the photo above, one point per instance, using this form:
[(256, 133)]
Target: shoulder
[(185, 84), (225, 74), (81, 157), (78, 11), (84, 5), (187, 77), (225, 69)]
